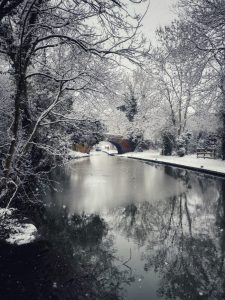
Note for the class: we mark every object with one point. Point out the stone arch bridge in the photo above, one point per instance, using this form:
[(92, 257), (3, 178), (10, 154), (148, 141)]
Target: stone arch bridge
[(123, 145)]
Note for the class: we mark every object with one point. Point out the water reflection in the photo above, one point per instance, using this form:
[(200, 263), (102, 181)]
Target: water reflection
[(182, 238), (103, 182), (122, 229), (190, 259), (171, 220), (75, 261), (168, 224)]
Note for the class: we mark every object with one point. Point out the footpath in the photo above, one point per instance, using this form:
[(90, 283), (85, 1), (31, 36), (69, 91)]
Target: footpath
[(190, 162)]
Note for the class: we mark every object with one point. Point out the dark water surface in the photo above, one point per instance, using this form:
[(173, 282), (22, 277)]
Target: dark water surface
[(124, 229)]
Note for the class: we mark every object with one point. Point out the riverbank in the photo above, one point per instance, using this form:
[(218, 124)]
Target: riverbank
[(75, 154), (191, 162)]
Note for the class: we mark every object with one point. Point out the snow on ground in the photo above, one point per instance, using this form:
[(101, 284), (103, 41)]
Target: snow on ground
[(110, 151), (5, 212), (22, 234), (215, 165), (75, 154), (13, 231)]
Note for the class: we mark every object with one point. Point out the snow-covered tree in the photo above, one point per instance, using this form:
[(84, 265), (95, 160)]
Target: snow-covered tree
[(55, 51), (206, 21)]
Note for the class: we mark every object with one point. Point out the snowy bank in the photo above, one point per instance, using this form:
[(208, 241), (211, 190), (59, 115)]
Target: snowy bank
[(75, 154), (15, 231), (110, 152), (207, 165)]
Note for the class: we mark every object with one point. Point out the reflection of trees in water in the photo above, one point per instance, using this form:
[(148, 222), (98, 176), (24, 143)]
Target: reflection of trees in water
[(136, 221), (190, 260), (184, 237), (190, 269), (152, 221), (76, 262)]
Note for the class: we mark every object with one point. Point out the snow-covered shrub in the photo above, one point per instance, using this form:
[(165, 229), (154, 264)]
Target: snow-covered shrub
[(181, 151), (181, 146), (182, 143), (144, 145)]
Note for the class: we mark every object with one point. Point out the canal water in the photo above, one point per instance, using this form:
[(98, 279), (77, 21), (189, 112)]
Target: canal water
[(123, 229)]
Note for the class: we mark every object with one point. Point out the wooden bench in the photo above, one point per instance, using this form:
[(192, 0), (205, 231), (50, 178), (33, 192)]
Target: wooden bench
[(206, 152)]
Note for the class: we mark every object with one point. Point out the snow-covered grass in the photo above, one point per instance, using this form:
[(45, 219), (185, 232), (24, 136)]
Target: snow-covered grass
[(13, 231), (215, 165)]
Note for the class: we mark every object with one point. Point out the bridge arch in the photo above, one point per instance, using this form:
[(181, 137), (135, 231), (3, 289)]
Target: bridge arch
[(118, 147), (122, 145)]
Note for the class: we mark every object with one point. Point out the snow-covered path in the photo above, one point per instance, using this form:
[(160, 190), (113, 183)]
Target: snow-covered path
[(214, 166)]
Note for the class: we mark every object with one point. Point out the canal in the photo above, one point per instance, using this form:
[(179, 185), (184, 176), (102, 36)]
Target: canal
[(124, 229)]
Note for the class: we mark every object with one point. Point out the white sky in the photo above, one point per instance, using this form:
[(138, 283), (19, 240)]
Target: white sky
[(160, 13)]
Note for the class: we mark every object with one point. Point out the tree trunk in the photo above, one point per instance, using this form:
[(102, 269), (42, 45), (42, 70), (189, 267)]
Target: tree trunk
[(21, 114), (222, 87), (223, 135)]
